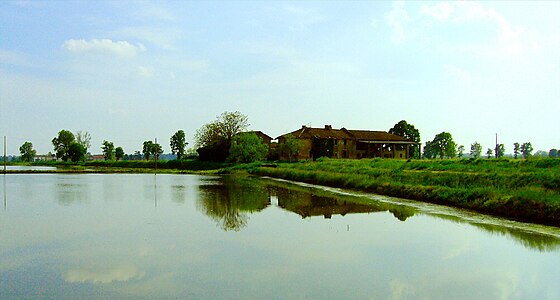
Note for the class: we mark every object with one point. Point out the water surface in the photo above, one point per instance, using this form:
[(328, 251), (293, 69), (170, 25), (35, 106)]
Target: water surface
[(187, 236)]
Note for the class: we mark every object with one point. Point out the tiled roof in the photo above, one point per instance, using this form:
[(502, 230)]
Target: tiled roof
[(344, 134), (366, 135)]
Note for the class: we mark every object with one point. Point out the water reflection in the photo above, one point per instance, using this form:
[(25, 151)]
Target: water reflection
[(71, 190), (4, 189), (230, 202), (528, 239)]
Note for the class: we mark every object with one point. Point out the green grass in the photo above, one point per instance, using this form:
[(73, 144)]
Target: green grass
[(527, 190)]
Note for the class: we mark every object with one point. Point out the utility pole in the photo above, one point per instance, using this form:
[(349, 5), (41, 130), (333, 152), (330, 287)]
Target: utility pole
[(497, 147), (4, 154), (157, 152)]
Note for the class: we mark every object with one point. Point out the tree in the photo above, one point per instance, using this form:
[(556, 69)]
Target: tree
[(27, 152), (460, 151), (443, 145), (516, 150), (429, 151), (178, 144), (147, 149), (151, 149), (476, 150), (540, 153), (526, 149), (76, 152), (553, 153), (62, 144), (108, 150), (214, 139), (290, 146), (409, 132), (156, 150), (119, 153), (83, 138), (247, 147), (501, 151), (489, 153)]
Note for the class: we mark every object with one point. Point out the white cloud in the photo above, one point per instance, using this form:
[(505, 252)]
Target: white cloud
[(509, 41), (115, 275), (104, 46), (143, 71), (397, 18)]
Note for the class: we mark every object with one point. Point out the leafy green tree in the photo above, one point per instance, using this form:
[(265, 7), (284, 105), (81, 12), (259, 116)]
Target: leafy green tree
[(178, 144), (119, 153), (147, 149), (247, 147), (516, 150), (553, 153), (27, 152), (156, 150), (62, 144), (290, 147), (526, 149), (476, 150), (83, 138), (443, 145), (489, 153), (429, 151), (501, 151), (214, 139), (460, 151), (108, 150), (409, 132), (76, 152)]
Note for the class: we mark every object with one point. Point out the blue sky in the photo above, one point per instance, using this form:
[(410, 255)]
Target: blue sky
[(134, 71)]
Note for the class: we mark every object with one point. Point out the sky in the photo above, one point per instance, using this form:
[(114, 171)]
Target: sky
[(128, 71)]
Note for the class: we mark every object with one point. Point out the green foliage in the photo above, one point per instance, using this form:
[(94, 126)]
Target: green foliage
[(147, 147), (501, 151), (442, 145), (290, 147), (322, 147), (528, 189), (247, 147), (526, 149), (476, 150), (76, 152), (119, 153), (27, 152), (222, 130), (409, 132), (553, 153), (178, 144), (516, 150), (83, 138), (151, 149), (460, 151), (62, 144), (108, 150), (489, 153), (213, 140)]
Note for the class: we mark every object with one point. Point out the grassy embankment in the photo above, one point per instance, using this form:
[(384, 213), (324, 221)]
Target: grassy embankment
[(527, 190)]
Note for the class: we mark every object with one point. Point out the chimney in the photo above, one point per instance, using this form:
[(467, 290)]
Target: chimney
[(328, 127)]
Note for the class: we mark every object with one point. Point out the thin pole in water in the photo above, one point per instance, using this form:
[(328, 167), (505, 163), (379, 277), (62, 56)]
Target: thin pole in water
[(157, 153)]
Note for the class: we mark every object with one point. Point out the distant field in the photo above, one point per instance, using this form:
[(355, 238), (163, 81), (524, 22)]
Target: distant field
[(527, 190)]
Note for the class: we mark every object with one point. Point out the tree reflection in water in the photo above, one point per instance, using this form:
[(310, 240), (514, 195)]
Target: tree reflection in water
[(229, 201)]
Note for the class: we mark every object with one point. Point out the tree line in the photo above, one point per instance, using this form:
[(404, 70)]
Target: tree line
[(227, 139)]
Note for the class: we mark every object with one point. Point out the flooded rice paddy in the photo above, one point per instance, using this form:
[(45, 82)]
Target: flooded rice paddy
[(188, 236)]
